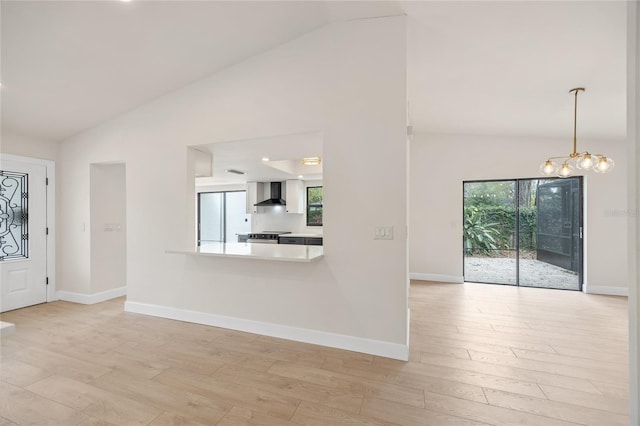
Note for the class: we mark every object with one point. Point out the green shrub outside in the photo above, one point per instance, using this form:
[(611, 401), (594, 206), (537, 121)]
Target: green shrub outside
[(498, 222), (480, 236)]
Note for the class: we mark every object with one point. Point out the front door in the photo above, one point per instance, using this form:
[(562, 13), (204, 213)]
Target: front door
[(23, 234)]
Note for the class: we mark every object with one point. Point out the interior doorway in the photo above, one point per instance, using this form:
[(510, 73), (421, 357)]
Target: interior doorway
[(525, 232)]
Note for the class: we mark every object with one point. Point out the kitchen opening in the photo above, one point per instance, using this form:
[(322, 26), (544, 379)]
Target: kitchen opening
[(524, 232), (258, 192)]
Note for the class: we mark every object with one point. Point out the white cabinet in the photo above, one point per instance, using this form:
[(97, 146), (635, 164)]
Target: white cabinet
[(295, 196), (255, 193)]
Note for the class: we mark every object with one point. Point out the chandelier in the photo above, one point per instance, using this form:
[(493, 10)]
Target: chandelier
[(583, 160)]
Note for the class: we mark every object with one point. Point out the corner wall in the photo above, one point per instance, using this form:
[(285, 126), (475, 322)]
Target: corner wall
[(439, 165), (347, 80)]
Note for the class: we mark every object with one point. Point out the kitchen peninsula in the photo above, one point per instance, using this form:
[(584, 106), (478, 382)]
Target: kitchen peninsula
[(257, 251)]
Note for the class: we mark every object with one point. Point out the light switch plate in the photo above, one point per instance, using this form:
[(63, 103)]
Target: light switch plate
[(383, 233)]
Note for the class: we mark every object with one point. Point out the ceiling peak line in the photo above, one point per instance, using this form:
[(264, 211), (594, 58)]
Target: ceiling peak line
[(370, 17)]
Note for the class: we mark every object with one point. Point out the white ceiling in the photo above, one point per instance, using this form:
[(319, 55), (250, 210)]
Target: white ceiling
[(285, 154), (507, 67), (473, 67), (70, 65)]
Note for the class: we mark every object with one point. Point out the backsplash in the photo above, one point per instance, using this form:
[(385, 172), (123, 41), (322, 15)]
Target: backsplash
[(275, 219)]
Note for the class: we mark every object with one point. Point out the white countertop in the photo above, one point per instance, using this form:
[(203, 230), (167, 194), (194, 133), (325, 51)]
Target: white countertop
[(257, 251)]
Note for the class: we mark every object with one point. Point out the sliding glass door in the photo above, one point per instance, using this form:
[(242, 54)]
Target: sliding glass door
[(555, 260), (525, 232), (236, 219), (490, 252), (210, 217), (221, 216)]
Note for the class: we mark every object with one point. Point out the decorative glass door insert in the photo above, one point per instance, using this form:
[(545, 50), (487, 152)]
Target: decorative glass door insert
[(14, 216)]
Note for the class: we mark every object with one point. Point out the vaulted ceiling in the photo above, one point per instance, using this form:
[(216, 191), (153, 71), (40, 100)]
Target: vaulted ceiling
[(473, 67)]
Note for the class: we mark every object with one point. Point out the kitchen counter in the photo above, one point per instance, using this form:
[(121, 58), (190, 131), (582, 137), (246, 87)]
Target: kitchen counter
[(257, 251), (288, 235)]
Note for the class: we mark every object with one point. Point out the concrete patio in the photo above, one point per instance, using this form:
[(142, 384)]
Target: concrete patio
[(533, 273)]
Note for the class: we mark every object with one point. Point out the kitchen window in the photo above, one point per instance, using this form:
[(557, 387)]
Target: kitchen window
[(314, 206)]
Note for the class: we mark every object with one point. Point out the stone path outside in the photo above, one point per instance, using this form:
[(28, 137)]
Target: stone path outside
[(533, 273)]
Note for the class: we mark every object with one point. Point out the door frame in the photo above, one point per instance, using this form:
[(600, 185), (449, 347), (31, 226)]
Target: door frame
[(582, 275), (50, 167)]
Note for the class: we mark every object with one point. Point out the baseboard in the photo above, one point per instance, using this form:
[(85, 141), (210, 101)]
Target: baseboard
[(606, 290), (436, 277), (90, 299), (6, 328), (323, 338)]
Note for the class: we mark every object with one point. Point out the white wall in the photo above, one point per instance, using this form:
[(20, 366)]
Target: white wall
[(633, 133), (347, 80), (440, 163), (221, 188), (26, 146), (108, 227)]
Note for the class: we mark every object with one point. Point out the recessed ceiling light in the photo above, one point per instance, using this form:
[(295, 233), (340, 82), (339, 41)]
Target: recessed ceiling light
[(300, 176), (265, 158)]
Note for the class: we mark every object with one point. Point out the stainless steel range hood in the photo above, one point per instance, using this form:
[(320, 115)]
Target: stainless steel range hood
[(276, 196)]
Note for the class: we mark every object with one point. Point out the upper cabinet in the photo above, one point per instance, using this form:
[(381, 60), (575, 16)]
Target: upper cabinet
[(255, 193), (295, 196)]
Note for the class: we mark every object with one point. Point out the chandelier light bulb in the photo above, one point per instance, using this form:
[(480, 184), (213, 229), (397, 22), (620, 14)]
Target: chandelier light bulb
[(565, 170), (548, 168), (604, 165), (586, 161)]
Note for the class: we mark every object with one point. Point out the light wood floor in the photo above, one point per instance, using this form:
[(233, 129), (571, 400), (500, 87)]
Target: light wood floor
[(480, 354)]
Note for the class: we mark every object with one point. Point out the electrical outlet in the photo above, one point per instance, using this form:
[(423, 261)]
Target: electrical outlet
[(383, 233)]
